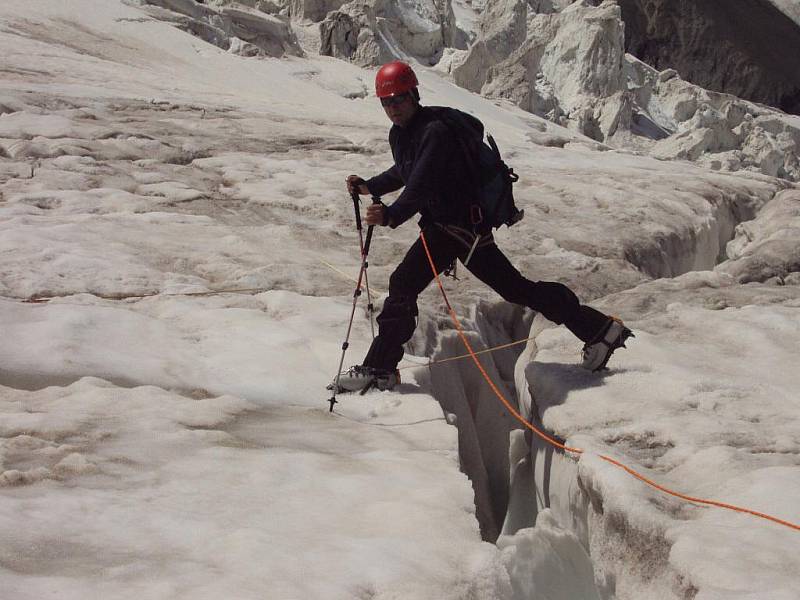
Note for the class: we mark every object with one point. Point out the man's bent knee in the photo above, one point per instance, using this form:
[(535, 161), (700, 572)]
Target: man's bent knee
[(398, 318)]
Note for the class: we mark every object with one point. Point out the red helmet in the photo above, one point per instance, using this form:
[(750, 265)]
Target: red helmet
[(394, 78)]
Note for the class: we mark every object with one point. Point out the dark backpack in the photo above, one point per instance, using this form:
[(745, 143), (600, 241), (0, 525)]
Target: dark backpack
[(492, 205)]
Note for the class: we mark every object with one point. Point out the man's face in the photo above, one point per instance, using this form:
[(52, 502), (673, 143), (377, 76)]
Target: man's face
[(399, 108)]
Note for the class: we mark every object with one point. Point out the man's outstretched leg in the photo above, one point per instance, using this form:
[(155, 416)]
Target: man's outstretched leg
[(600, 333)]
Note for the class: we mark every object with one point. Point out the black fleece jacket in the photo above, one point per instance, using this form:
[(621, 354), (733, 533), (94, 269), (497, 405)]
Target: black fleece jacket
[(429, 162)]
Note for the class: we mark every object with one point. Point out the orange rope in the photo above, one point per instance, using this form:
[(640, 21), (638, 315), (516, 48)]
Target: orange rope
[(579, 451)]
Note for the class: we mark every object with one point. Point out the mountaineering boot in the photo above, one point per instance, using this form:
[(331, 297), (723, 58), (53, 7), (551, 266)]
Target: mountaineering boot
[(362, 379), (597, 351)]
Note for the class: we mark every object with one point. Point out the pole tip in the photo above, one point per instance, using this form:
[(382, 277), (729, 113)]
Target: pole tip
[(332, 401)]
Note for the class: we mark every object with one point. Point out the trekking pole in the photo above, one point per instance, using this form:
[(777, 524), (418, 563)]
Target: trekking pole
[(362, 273), (365, 262)]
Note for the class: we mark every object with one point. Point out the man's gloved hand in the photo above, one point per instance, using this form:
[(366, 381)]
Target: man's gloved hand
[(377, 214), (357, 184)]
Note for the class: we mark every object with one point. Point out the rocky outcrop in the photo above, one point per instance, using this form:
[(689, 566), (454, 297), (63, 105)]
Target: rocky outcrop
[(352, 33), (570, 67), (567, 66), (238, 28), (313, 10), (766, 248), (503, 30), (370, 32), (720, 130), (748, 48)]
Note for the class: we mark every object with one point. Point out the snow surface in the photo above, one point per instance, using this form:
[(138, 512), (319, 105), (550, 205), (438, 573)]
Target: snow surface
[(791, 8), (715, 427), (172, 446)]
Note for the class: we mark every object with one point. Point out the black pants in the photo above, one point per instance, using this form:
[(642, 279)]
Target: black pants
[(397, 320)]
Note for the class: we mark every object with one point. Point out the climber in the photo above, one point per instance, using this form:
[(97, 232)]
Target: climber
[(431, 165)]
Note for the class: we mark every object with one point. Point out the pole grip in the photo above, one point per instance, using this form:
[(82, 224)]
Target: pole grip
[(375, 200)]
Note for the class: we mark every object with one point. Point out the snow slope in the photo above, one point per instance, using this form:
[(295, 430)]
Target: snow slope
[(160, 445), (791, 8)]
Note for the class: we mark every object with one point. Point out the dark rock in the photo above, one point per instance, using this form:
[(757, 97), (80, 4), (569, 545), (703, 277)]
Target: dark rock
[(339, 35), (748, 48)]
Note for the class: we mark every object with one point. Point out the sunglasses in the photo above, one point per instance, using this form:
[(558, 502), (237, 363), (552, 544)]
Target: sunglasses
[(394, 100)]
